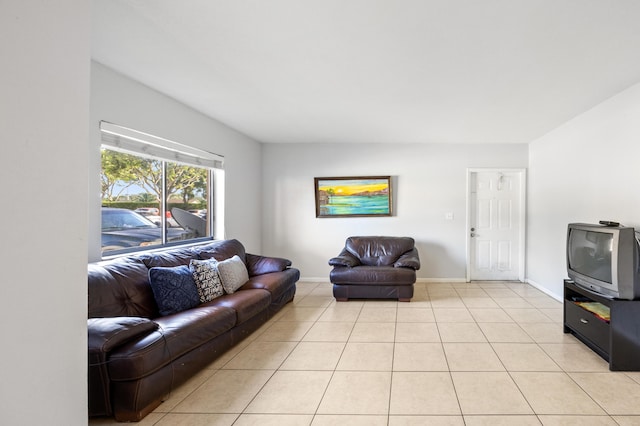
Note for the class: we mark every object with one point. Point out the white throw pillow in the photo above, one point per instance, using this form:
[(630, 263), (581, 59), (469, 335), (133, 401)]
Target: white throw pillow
[(233, 273)]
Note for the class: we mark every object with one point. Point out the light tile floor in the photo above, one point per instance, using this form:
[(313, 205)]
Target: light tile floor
[(481, 353)]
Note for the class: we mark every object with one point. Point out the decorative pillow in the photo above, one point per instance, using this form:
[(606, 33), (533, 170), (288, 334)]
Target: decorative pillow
[(173, 288), (233, 274), (205, 275)]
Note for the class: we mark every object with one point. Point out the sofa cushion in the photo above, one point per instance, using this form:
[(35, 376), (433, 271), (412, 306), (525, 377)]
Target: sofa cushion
[(173, 288), (177, 334), (233, 274), (276, 283), (246, 303)]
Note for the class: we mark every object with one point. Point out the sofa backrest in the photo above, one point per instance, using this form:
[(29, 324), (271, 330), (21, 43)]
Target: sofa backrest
[(120, 287), (379, 251), (221, 250), (168, 258)]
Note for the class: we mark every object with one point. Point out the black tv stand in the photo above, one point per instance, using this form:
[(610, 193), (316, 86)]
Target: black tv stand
[(617, 341)]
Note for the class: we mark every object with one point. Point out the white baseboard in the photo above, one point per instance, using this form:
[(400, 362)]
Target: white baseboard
[(543, 289), (315, 279), (441, 280)]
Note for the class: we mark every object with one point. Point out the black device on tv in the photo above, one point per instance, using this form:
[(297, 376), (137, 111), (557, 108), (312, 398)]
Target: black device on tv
[(604, 259), (608, 223)]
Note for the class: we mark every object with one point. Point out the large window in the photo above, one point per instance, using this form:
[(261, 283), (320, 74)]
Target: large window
[(155, 192)]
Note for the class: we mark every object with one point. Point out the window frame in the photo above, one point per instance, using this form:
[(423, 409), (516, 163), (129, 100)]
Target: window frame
[(129, 141)]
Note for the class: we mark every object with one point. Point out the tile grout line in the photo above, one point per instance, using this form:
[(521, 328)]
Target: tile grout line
[(299, 339)]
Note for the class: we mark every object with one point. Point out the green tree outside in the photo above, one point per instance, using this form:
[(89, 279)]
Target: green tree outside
[(120, 170)]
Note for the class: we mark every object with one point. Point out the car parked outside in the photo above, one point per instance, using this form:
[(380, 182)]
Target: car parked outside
[(122, 228), (153, 214), (148, 211)]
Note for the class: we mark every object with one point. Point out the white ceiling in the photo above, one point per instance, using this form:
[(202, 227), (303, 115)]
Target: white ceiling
[(459, 71)]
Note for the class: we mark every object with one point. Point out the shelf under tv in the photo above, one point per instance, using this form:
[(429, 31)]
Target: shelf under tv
[(616, 340)]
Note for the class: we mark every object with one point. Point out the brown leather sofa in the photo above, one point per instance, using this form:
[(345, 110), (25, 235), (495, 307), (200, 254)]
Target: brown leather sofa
[(375, 268), (136, 357)]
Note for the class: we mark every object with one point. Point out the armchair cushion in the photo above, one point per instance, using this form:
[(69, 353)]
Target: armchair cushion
[(373, 276)]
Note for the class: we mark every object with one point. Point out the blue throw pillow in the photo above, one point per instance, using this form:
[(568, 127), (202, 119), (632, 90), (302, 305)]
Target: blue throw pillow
[(173, 289)]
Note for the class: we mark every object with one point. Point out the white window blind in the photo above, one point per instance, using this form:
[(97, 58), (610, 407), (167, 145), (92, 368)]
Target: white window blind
[(131, 141)]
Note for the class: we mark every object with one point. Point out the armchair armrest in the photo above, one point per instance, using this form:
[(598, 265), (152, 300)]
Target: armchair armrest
[(258, 265), (108, 333), (409, 259), (344, 259)]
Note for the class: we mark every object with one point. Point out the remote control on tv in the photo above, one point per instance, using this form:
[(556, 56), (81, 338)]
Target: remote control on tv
[(608, 223)]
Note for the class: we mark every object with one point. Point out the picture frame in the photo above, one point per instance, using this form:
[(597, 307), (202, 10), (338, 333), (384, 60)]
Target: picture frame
[(353, 196)]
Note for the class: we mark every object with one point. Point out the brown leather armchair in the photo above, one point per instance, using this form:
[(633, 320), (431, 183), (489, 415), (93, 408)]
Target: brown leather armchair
[(375, 268)]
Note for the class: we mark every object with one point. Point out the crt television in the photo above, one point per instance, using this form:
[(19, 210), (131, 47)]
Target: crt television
[(604, 259)]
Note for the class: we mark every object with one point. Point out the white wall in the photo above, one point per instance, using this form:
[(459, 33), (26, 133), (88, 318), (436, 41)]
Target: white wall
[(120, 100), (44, 115), (429, 180), (585, 171)]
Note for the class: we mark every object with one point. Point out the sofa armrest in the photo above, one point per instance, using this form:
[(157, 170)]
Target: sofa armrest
[(344, 259), (258, 265), (108, 333), (104, 335), (409, 259)]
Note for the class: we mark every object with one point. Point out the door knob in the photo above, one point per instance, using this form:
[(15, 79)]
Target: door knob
[(473, 229), (473, 235)]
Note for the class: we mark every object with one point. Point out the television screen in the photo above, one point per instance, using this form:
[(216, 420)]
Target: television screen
[(590, 254)]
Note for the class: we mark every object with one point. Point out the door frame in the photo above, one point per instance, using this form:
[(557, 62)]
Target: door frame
[(522, 216)]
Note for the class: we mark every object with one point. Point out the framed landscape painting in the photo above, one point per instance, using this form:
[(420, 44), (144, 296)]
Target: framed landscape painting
[(359, 196)]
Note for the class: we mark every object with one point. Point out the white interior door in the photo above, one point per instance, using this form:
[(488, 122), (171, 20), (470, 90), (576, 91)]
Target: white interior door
[(496, 224)]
